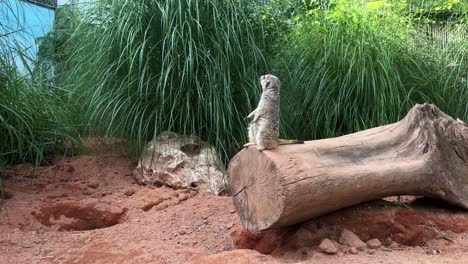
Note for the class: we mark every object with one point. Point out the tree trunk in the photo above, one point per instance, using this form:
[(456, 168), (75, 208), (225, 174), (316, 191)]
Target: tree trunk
[(425, 154)]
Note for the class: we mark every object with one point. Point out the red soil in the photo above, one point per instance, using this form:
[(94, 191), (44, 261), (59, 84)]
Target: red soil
[(88, 209)]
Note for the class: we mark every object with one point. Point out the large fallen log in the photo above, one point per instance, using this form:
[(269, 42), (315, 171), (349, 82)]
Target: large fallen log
[(425, 154)]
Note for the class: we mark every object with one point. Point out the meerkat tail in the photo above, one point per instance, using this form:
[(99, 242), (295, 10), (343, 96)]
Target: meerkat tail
[(289, 141)]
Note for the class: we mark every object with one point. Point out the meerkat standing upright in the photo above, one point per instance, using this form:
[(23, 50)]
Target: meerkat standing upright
[(264, 128)]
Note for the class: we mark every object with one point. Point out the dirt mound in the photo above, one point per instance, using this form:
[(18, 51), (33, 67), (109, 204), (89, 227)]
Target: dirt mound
[(240, 256), (115, 220), (73, 216), (150, 197), (416, 225)]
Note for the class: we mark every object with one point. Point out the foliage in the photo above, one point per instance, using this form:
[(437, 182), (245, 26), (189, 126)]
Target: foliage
[(351, 67), (427, 11), (51, 47), (452, 69), (30, 120), (34, 120), (138, 68), (276, 20)]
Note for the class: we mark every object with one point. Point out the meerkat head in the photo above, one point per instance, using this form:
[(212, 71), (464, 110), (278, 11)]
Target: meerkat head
[(269, 81)]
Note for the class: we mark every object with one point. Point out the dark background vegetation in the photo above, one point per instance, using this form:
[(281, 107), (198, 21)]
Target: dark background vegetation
[(132, 69)]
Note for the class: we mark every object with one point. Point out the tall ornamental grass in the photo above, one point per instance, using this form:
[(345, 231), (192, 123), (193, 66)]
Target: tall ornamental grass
[(34, 120), (452, 59), (138, 68), (349, 68)]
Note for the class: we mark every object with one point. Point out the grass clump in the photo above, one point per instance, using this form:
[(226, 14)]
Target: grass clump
[(452, 62), (34, 120), (31, 121), (138, 68), (346, 67)]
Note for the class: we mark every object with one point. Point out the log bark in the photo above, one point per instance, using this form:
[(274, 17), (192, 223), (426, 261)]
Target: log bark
[(424, 154)]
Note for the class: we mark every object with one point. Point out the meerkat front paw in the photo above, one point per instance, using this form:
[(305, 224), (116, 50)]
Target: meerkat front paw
[(260, 147), (248, 144)]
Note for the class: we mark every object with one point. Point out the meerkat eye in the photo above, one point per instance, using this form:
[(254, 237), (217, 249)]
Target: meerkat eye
[(267, 85)]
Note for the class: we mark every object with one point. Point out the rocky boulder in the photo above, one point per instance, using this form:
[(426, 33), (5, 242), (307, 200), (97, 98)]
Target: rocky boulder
[(348, 238), (327, 246), (181, 162)]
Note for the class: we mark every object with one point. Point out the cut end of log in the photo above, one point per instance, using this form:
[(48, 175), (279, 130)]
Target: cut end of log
[(258, 180)]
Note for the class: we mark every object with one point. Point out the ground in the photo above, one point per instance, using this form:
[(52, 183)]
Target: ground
[(89, 209)]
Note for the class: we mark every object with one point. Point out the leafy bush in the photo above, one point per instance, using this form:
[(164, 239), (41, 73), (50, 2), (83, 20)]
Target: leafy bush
[(349, 67), (138, 68)]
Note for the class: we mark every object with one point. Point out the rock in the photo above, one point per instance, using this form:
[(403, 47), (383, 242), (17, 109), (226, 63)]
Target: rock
[(183, 197), (130, 192), (394, 245), (306, 237), (304, 251), (93, 185), (182, 232), (350, 239), (388, 241), (181, 162), (327, 246), (353, 250), (40, 231), (433, 252), (229, 225), (373, 243)]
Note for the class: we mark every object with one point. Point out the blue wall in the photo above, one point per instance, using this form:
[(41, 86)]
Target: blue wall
[(28, 21)]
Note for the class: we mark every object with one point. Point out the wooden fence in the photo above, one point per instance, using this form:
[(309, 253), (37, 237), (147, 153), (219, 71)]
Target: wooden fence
[(441, 33)]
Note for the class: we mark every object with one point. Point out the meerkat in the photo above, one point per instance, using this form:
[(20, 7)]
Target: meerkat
[(264, 129)]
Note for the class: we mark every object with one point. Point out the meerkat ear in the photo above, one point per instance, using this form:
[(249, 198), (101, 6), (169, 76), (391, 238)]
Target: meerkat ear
[(267, 85)]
